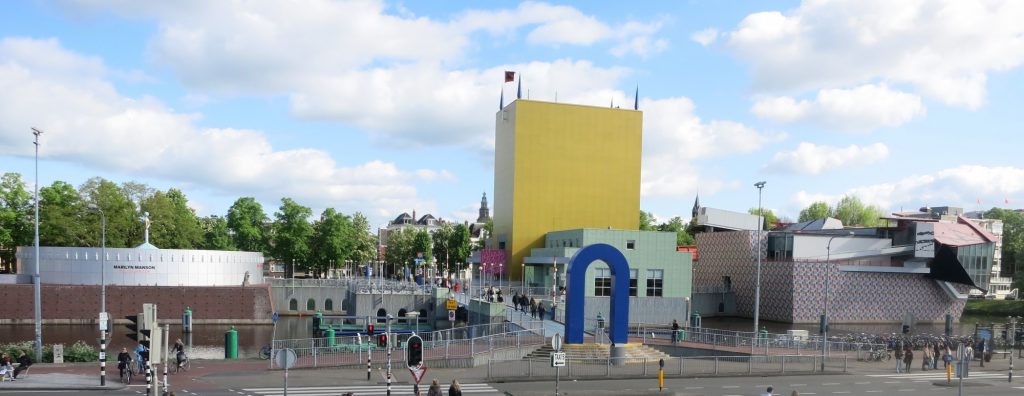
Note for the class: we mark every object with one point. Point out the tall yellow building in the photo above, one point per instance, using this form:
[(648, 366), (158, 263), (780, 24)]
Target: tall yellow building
[(561, 166)]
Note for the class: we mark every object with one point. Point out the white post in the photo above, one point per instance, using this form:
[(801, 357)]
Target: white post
[(757, 292)]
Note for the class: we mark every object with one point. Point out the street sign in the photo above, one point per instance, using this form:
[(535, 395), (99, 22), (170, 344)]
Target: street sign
[(417, 372), (558, 359), (556, 342), (451, 315), (285, 358), (104, 322), (451, 304)]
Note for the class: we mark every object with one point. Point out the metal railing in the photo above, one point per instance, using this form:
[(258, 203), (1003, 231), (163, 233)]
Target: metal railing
[(359, 285), (768, 344), (674, 367), (341, 351)]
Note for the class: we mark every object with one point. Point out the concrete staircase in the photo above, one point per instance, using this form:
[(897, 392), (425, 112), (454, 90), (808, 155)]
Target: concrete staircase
[(634, 353)]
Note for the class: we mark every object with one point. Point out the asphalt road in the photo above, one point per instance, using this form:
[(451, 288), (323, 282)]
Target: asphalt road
[(930, 383)]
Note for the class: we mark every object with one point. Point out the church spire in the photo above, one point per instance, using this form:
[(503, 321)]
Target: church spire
[(485, 212), (696, 205)]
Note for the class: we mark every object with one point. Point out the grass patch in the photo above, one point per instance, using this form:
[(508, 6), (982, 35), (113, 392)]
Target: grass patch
[(994, 307)]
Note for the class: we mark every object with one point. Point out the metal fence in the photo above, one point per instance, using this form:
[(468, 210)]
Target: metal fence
[(341, 351), (358, 285), (688, 366), (765, 343)]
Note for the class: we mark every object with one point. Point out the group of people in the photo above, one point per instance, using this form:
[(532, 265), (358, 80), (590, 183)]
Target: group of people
[(930, 356), (522, 302), (7, 367), (435, 389), (124, 359)]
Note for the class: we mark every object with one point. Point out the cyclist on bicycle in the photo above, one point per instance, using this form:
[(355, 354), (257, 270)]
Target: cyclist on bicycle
[(123, 360), (141, 353), (179, 352)]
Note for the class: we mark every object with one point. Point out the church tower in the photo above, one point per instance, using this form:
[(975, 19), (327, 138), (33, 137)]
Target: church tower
[(485, 212)]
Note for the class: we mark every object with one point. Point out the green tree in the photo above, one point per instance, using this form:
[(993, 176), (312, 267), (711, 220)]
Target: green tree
[(332, 243), (817, 210), (853, 213), (63, 218), (124, 228), (400, 249), (1013, 241), (422, 246), (174, 225), (215, 233), (769, 218), (247, 220), (441, 239), (677, 226), (458, 247), (291, 235), (16, 226), (646, 221), (364, 247)]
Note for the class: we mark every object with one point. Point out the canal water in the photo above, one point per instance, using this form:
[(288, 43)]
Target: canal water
[(207, 341)]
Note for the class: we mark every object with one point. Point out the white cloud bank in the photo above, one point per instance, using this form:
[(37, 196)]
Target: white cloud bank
[(960, 186), (862, 108), (86, 121), (813, 159)]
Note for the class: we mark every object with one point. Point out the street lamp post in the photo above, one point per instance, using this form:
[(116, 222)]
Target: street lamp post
[(35, 273), (103, 294), (757, 285), (828, 282)]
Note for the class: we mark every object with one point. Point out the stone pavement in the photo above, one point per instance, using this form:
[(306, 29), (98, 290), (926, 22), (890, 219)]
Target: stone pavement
[(220, 374)]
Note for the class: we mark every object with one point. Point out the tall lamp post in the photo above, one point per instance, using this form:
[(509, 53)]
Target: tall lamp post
[(103, 294), (757, 287), (828, 282), (35, 273)]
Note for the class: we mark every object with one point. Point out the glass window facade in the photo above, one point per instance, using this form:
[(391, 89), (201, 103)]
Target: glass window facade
[(655, 280), (603, 282), (633, 274), (977, 261)]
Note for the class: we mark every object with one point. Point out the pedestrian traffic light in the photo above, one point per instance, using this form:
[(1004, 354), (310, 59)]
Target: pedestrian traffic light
[(414, 351), (382, 340), (369, 329), (906, 329)]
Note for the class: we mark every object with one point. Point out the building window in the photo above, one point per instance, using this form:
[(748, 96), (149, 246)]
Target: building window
[(328, 305), (630, 244), (654, 282), (633, 274), (603, 282), (293, 305), (311, 305), (501, 245)]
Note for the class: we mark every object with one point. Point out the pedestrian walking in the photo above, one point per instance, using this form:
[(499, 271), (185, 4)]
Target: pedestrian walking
[(898, 354), (908, 358), (936, 352), (455, 389), (767, 392), (515, 301), (541, 310), (675, 331), (926, 360), (533, 308), (435, 388)]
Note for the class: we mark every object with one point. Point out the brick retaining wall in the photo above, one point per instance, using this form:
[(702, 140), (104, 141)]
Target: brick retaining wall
[(80, 304)]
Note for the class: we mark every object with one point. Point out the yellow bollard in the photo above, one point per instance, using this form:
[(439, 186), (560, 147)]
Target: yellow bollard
[(949, 373), (661, 379)]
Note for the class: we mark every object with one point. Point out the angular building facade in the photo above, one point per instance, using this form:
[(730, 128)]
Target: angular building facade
[(559, 167)]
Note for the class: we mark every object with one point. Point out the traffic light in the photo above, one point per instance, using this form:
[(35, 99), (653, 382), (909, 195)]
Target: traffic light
[(382, 340), (414, 351), (1004, 335), (133, 327), (906, 329), (369, 329)]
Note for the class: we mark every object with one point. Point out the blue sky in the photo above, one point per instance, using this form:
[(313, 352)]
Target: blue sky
[(385, 107)]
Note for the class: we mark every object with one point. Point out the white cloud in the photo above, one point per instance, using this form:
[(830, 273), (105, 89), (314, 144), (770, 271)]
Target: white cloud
[(86, 121), (943, 48), (961, 186), (674, 137), (812, 159), (393, 74), (862, 108), (705, 37)]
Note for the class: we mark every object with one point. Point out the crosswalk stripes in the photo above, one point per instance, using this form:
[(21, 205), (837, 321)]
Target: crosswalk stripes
[(939, 376), (361, 390)]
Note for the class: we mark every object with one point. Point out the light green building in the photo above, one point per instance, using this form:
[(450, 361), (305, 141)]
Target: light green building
[(660, 277)]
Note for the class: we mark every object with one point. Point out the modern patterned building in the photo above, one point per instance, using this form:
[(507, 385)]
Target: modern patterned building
[(918, 270), (561, 167)]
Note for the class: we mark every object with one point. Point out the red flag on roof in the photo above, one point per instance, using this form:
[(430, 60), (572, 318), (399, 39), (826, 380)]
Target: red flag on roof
[(510, 76)]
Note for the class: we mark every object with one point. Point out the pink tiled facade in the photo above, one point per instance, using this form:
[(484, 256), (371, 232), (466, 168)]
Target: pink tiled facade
[(795, 291)]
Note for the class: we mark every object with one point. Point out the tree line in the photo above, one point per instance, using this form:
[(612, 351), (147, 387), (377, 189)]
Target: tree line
[(70, 216)]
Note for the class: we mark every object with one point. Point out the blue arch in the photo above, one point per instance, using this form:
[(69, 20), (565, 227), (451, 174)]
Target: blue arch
[(576, 283)]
